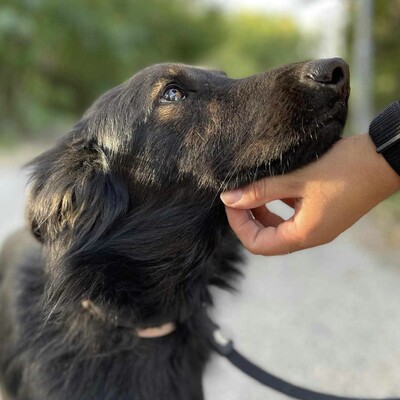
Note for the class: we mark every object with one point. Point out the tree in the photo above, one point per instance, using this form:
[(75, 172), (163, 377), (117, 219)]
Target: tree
[(56, 57), (387, 52)]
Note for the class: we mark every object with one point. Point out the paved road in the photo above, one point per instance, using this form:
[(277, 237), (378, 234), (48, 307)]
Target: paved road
[(328, 318)]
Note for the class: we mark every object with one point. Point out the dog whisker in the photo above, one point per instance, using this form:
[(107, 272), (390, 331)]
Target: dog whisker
[(199, 134), (224, 184), (302, 126)]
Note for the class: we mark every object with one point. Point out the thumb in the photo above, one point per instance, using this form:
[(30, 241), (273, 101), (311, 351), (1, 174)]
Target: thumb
[(262, 191)]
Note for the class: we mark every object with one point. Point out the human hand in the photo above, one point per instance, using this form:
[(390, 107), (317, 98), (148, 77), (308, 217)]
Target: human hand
[(328, 196)]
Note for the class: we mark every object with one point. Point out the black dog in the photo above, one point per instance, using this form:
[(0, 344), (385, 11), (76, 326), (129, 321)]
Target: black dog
[(129, 232)]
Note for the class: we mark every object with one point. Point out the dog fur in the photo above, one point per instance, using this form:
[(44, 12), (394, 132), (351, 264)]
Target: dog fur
[(126, 229)]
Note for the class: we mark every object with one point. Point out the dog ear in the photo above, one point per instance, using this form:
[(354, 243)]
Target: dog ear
[(74, 194)]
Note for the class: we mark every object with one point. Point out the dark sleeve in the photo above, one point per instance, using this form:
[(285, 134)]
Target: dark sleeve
[(385, 133)]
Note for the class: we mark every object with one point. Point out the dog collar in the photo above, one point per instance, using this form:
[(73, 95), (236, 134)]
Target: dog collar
[(156, 331), (151, 332)]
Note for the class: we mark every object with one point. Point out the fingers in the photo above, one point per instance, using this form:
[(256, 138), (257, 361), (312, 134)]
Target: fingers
[(263, 191), (261, 239)]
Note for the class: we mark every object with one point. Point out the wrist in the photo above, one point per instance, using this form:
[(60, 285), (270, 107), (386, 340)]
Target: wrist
[(385, 133), (379, 174)]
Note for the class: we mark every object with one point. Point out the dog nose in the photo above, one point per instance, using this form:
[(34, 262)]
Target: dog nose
[(333, 72)]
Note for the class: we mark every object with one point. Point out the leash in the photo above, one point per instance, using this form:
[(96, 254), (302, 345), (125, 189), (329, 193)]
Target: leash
[(225, 348)]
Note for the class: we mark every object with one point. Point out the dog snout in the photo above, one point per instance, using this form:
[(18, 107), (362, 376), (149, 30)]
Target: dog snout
[(332, 72)]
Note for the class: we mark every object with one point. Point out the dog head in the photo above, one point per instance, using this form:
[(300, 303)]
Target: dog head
[(149, 151), (173, 126), (177, 124), (217, 133)]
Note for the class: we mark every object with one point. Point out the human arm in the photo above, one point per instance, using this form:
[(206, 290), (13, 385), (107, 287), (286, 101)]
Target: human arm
[(328, 196)]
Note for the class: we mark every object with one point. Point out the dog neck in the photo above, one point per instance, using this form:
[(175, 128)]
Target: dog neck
[(164, 272)]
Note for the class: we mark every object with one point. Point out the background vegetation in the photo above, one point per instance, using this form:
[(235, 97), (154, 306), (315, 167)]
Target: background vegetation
[(387, 52), (56, 57)]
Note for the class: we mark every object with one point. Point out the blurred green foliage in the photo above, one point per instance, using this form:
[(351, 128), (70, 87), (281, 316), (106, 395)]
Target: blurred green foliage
[(57, 56), (254, 43), (387, 52)]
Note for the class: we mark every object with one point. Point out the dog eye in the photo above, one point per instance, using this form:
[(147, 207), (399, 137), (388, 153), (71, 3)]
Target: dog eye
[(173, 93)]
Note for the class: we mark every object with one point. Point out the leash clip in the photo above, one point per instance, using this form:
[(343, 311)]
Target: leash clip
[(218, 341), (221, 343)]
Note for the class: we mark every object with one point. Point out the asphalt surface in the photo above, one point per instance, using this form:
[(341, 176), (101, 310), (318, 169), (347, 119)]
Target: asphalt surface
[(326, 318)]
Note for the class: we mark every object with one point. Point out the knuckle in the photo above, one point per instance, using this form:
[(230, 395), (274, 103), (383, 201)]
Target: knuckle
[(257, 190), (299, 240), (253, 245), (254, 249)]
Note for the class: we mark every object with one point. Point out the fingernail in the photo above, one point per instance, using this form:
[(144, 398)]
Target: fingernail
[(232, 196)]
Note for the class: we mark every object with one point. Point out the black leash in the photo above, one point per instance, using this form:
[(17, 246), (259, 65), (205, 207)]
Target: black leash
[(226, 348)]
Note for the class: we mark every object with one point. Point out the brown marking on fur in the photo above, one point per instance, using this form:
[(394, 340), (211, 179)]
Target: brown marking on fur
[(173, 70), (94, 310), (213, 107), (214, 110), (157, 88), (167, 112), (198, 139)]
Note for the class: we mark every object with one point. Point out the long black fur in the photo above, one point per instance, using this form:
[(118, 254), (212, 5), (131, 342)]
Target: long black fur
[(124, 213)]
